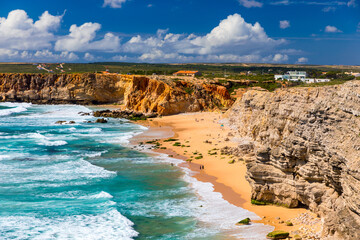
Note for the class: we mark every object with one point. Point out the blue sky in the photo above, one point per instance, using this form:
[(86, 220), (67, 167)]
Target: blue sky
[(273, 31)]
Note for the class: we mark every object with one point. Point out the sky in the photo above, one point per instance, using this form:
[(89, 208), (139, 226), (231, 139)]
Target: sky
[(181, 31)]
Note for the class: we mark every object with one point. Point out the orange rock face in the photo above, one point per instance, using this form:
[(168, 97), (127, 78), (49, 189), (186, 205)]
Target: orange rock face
[(149, 95), (138, 93)]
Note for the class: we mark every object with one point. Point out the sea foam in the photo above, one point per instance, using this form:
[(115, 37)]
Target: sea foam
[(109, 225), (13, 108)]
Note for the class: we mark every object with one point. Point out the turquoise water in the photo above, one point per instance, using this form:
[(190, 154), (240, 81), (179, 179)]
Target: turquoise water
[(81, 181)]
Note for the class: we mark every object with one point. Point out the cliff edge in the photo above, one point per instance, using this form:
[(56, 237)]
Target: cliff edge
[(135, 92), (302, 147)]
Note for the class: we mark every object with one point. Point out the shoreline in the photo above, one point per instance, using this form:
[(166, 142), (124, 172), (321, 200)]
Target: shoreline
[(196, 129)]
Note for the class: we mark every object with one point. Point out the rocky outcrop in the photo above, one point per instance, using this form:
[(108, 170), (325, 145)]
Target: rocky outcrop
[(63, 88), (302, 147), (125, 114), (138, 93), (149, 95)]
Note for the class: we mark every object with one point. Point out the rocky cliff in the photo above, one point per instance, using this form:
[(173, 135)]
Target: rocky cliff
[(302, 147), (137, 93)]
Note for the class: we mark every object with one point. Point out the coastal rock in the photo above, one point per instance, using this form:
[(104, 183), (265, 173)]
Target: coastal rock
[(137, 93), (306, 151), (154, 96), (101, 120)]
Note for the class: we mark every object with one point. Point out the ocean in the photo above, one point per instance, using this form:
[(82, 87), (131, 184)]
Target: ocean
[(83, 181)]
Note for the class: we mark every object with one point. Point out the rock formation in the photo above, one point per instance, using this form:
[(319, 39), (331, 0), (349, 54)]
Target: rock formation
[(137, 93), (302, 147)]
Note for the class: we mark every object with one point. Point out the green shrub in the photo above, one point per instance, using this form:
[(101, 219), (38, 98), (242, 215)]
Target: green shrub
[(138, 118), (199, 157), (245, 221), (297, 237), (177, 144), (289, 224), (171, 140), (231, 161), (256, 202), (278, 235)]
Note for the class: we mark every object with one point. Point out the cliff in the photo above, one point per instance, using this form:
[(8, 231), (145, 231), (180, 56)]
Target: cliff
[(302, 148), (137, 93)]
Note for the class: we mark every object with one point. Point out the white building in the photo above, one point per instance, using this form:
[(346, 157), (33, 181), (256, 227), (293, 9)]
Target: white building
[(316, 80), (292, 76), (299, 76)]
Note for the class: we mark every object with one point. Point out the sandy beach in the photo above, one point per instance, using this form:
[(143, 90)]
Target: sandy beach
[(201, 136)]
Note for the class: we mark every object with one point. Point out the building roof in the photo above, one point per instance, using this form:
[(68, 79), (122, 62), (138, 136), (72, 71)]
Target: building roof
[(186, 72)]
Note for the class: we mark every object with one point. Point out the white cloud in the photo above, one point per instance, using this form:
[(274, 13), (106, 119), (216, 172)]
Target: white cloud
[(232, 37), (46, 55), (250, 3), (89, 57), (332, 29), (302, 60), (329, 9), (277, 58), (352, 3), (284, 24), (81, 39), (114, 3), (233, 40), (120, 58), (20, 32), (8, 53)]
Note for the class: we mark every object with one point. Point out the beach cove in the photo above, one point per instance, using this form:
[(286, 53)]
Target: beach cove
[(201, 137)]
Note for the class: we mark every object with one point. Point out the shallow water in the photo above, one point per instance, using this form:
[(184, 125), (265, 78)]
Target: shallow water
[(80, 181)]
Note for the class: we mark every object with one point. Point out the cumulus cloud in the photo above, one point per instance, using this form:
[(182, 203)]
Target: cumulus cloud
[(114, 3), (332, 29), (250, 3), (81, 39), (89, 57), (234, 35), (20, 32), (46, 55), (8, 53), (284, 24), (232, 40), (302, 60), (120, 58), (277, 58)]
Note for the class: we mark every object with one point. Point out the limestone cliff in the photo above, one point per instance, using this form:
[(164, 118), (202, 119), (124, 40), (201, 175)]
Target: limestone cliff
[(302, 147), (137, 93), (148, 95), (64, 88)]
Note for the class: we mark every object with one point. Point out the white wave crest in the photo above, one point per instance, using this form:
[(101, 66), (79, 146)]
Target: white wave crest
[(109, 225), (102, 194), (46, 141), (14, 108)]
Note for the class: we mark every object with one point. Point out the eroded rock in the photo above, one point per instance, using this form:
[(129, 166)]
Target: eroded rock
[(305, 143)]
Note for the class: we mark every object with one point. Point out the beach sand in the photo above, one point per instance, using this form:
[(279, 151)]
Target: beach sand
[(193, 130)]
